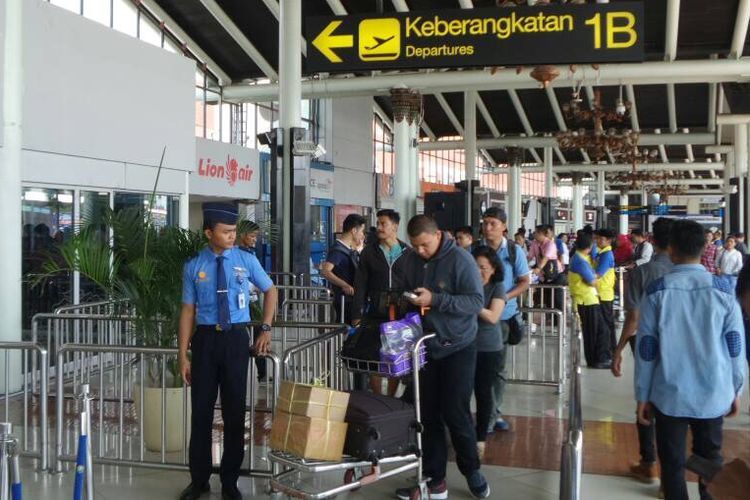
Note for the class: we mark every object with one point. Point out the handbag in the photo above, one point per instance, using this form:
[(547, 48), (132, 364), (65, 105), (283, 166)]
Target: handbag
[(516, 329)]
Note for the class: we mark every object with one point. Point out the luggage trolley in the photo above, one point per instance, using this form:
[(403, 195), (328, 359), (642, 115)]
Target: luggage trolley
[(357, 472)]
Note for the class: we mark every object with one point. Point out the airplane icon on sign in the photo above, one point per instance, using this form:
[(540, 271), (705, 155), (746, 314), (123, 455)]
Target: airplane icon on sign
[(380, 41)]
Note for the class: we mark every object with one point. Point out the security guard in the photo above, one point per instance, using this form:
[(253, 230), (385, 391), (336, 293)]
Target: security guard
[(216, 296)]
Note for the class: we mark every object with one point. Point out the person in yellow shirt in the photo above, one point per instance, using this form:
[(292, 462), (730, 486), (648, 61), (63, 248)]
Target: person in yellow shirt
[(605, 272), (583, 282)]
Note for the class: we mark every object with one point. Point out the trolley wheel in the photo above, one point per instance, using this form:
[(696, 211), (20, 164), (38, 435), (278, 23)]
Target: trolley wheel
[(350, 476)]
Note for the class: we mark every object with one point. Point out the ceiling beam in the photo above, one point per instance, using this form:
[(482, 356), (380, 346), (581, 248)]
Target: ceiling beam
[(238, 36), (487, 117), (193, 47), (701, 139), (273, 6), (630, 95), (740, 29), (450, 114), (336, 6), (400, 5), (524, 120), (624, 167), (560, 122), (654, 72), (672, 182), (672, 30)]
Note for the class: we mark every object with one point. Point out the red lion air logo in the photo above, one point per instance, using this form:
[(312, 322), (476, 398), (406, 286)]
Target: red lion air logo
[(232, 170)]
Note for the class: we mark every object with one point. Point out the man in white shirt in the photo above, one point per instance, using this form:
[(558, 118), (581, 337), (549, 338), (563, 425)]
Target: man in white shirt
[(729, 263), (643, 250)]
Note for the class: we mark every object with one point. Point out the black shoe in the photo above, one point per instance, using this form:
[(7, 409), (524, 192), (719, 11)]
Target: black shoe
[(230, 493), (193, 492)]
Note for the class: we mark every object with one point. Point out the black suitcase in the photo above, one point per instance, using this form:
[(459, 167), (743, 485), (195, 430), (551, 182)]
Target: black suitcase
[(379, 427)]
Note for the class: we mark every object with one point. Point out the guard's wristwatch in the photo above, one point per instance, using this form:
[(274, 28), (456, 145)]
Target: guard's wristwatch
[(265, 327)]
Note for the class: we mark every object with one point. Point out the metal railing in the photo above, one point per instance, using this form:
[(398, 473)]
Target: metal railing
[(318, 359), (571, 453), (619, 304), (540, 359), (35, 419), (312, 310), (122, 392)]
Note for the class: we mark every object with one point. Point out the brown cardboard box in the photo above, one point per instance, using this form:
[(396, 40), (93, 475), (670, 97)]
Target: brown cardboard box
[(312, 401), (306, 437)]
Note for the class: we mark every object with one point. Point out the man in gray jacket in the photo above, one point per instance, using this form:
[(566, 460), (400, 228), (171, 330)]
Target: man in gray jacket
[(449, 291)]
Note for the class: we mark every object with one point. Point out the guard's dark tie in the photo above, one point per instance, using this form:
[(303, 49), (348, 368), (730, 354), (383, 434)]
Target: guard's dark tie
[(222, 295)]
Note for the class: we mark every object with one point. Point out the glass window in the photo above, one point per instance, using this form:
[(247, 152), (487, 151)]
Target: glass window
[(213, 118), (148, 31), (165, 212), (47, 218), (97, 10), (71, 5), (93, 206), (125, 17)]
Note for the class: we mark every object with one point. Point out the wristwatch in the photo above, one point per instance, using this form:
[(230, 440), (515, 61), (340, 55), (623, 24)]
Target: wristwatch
[(265, 327)]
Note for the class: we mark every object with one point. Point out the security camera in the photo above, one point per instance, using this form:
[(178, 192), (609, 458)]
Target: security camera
[(308, 148), (620, 108)]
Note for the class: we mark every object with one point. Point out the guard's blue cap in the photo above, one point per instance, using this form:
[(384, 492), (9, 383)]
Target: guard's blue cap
[(220, 213)]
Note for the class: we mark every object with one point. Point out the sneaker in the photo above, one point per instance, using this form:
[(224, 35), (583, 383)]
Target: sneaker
[(501, 425), (478, 485), (481, 445), (437, 491), (644, 472)]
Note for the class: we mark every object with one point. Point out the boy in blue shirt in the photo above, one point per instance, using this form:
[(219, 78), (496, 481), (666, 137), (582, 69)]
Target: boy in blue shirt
[(689, 366)]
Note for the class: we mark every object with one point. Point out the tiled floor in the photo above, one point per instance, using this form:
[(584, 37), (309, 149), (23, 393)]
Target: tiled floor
[(520, 464)]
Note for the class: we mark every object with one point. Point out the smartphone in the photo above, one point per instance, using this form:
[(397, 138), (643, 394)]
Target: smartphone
[(705, 468), (410, 295)]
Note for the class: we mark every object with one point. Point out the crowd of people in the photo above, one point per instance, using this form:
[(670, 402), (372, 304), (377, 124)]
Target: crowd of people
[(683, 323)]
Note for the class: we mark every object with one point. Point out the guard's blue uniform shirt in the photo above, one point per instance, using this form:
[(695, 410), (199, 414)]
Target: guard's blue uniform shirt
[(690, 342), (199, 284)]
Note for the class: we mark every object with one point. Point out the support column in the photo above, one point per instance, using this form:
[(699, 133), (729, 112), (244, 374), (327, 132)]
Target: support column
[(728, 174), (624, 222), (470, 154), (290, 96), (549, 180), (10, 188), (600, 194), (740, 170), (577, 202), (407, 110), (185, 204), (416, 180)]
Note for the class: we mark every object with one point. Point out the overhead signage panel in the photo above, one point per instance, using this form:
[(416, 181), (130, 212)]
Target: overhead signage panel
[(553, 34)]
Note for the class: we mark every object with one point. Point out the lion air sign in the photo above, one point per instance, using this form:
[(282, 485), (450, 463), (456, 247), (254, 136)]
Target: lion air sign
[(225, 170)]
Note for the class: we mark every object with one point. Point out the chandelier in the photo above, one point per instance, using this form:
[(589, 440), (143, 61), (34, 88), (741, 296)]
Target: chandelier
[(597, 142)]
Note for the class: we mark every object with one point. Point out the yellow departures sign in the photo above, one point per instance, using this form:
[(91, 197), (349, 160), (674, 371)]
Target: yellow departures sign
[(454, 38), (327, 41)]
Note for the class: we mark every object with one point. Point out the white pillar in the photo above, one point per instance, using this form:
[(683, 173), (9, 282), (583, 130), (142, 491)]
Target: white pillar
[(185, 204), (514, 199), (402, 189), (470, 153), (416, 180), (10, 189), (740, 170), (728, 174), (623, 229), (290, 97), (600, 188), (549, 178), (577, 207)]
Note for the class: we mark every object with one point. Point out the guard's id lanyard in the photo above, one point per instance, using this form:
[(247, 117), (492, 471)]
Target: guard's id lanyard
[(241, 300)]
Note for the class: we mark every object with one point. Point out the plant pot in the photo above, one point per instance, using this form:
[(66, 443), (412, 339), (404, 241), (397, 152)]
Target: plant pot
[(173, 420)]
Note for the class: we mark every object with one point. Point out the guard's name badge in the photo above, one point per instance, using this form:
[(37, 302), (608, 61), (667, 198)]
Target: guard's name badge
[(241, 300)]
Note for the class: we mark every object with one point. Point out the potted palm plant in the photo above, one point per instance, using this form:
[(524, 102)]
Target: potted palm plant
[(142, 265)]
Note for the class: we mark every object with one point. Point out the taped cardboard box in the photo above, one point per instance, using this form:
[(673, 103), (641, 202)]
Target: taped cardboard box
[(306, 437), (312, 401)]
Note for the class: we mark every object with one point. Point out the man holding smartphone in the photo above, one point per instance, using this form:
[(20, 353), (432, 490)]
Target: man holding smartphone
[(448, 288)]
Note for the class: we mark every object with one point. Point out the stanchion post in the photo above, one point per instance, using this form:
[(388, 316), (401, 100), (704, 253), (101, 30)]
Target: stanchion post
[(5, 439)]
